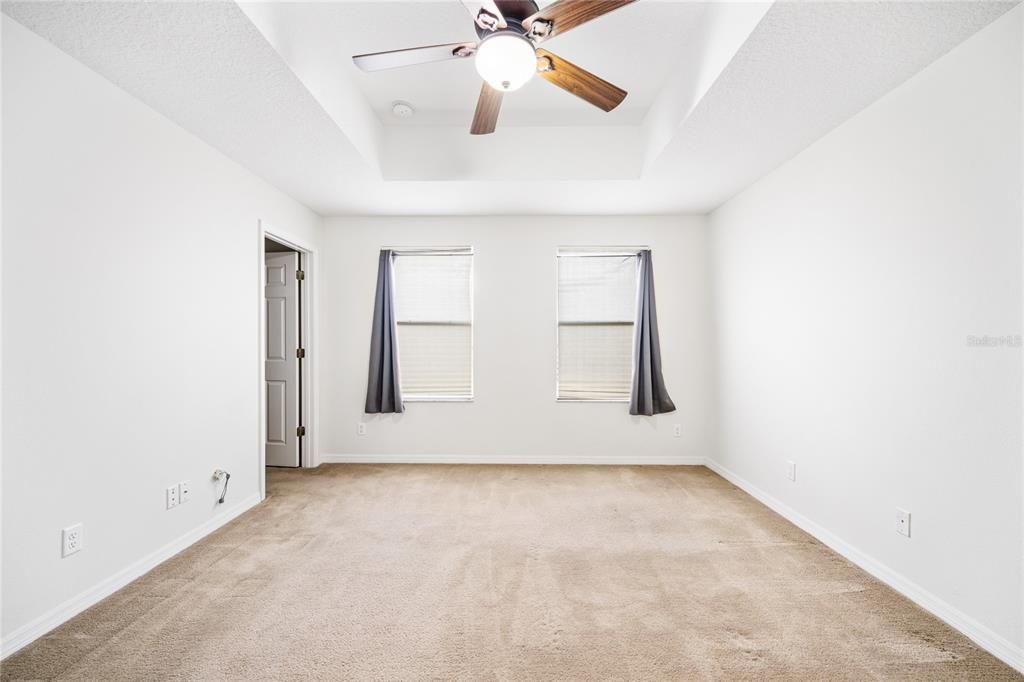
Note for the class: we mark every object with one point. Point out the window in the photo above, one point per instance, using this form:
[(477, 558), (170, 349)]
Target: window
[(434, 312), (596, 310)]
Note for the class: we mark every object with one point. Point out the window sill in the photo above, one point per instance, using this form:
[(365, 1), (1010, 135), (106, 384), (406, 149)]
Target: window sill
[(429, 399), (592, 400)]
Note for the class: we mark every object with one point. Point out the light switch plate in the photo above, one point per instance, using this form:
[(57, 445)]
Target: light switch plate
[(791, 470)]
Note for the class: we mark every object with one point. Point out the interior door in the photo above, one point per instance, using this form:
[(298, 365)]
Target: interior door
[(282, 359)]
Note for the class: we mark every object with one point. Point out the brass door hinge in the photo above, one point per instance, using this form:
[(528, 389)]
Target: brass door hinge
[(301, 431), (300, 275), (300, 353)]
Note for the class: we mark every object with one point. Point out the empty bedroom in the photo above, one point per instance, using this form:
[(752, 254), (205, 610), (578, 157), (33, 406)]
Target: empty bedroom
[(512, 340)]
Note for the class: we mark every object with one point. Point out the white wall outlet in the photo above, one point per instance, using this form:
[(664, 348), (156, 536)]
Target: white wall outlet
[(172, 497), (677, 430), (903, 522), (791, 470), (361, 428), (184, 491), (71, 540)]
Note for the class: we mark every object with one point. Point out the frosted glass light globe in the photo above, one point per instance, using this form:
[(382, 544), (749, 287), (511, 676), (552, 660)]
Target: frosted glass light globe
[(506, 61)]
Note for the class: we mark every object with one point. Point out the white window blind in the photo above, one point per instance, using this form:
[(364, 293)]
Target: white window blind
[(434, 312), (596, 310)]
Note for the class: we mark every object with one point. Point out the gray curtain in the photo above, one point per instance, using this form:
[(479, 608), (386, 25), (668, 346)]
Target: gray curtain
[(383, 392), (649, 395)]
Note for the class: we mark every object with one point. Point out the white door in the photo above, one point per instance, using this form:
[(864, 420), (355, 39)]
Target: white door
[(282, 359)]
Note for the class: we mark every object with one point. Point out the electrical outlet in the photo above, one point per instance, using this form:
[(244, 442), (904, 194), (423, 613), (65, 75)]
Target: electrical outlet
[(361, 429), (903, 522), (791, 470), (71, 540), (184, 491), (677, 430), (172, 497)]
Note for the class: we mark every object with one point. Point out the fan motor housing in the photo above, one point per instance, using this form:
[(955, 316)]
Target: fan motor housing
[(511, 12)]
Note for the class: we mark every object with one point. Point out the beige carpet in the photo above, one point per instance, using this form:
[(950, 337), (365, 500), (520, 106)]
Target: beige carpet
[(505, 573)]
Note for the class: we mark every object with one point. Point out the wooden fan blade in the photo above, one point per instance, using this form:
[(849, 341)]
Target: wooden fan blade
[(485, 120), (565, 15), (577, 81), (378, 61)]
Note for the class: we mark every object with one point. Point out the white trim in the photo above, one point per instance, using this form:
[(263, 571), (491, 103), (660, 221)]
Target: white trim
[(429, 250), (72, 607), (592, 400), (436, 399), (995, 644), (398, 458), (612, 251), (310, 336), (261, 355)]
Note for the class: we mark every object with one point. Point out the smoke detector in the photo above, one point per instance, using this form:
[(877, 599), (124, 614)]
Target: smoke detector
[(402, 109)]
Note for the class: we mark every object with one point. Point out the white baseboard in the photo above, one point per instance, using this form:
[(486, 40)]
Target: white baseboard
[(996, 644), (669, 460), (48, 621)]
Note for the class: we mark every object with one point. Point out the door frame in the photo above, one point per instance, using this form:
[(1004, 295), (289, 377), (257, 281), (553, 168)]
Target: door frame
[(309, 331)]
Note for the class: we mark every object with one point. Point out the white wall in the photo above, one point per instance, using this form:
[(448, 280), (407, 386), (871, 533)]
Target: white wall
[(845, 286), (514, 416), (130, 317)]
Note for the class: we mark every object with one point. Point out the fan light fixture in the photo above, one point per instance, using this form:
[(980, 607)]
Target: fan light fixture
[(506, 61), (506, 55)]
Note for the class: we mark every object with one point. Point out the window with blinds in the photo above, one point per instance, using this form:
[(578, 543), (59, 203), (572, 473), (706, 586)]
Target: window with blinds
[(596, 310), (434, 312)]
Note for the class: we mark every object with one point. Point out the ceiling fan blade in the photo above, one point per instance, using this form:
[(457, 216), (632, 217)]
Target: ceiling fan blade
[(378, 61), (565, 15), (577, 81), (485, 120)]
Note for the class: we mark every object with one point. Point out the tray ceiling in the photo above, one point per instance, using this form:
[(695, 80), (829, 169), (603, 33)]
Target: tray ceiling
[(720, 94)]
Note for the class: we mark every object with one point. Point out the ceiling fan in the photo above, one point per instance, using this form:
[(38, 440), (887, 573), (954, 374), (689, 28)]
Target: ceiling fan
[(507, 55)]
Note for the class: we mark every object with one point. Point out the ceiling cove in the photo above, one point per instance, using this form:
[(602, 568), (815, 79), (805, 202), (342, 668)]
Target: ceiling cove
[(719, 94)]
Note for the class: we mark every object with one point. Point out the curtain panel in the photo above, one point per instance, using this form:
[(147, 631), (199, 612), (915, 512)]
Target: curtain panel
[(649, 395), (383, 388)]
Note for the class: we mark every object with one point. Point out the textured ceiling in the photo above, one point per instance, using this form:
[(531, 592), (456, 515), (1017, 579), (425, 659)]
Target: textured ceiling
[(808, 67), (206, 67), (721, 93)]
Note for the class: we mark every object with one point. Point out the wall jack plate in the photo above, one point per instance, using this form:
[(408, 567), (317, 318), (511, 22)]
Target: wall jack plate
[(903, 522)]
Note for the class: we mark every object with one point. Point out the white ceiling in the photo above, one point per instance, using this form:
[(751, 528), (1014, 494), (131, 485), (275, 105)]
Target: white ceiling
[(628, 48), (720, 94)]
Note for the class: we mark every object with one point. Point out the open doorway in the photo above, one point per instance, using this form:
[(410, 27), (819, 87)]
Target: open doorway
[(283, 354), (286, 369)]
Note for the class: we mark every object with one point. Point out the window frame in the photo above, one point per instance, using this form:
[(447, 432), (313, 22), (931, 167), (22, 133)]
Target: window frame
[(592, 251), (441, 251)]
